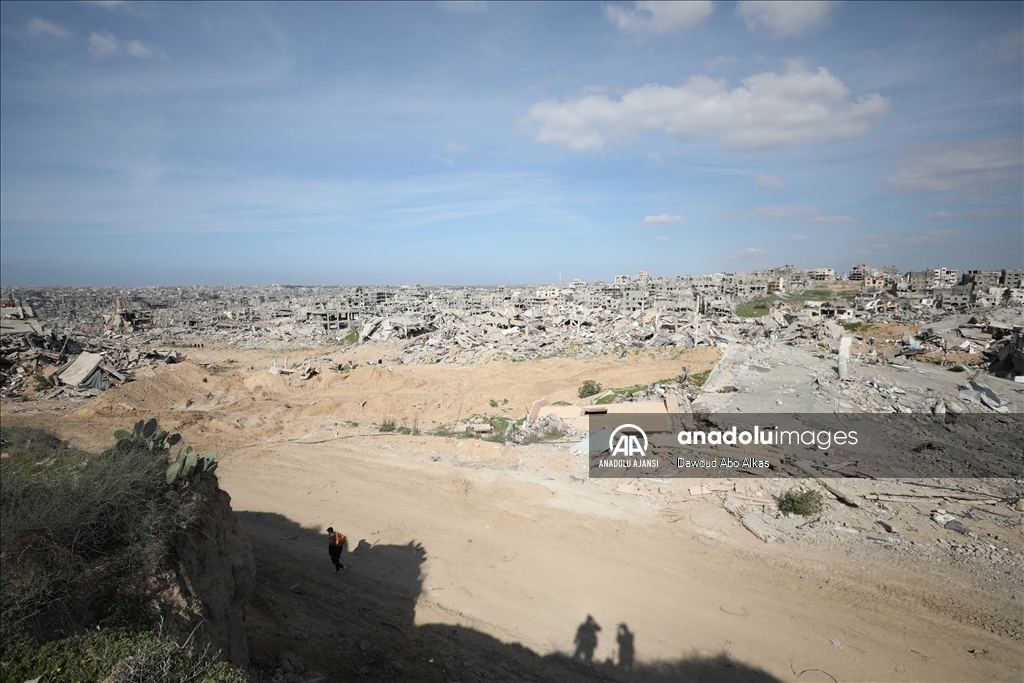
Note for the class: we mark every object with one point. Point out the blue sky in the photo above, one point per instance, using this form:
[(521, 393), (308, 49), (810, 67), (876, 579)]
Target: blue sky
[(487, 143)]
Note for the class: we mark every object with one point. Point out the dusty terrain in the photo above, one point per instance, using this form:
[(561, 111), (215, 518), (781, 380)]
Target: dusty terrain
[(472, 560)]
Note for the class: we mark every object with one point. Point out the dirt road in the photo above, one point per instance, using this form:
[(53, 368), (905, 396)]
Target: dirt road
[(525, 555)]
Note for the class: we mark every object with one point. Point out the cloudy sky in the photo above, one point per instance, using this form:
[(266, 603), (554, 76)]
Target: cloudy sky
[(486, 143)]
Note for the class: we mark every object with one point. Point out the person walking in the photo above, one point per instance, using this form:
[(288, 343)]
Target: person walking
[(335, 544)]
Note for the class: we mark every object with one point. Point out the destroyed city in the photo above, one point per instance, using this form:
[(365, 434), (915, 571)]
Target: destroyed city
[(631, 342)]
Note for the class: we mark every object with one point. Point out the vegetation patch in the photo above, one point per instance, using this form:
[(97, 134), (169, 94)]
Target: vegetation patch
[(500, 427), (552, 433), (698, 379), (349, 339), (753, 309), (857, 327), (118, 657), (615, 393), (387, 425), (71, 521), (40, 382), (588, 389), (805, 503), (410, 431), (80, 533)]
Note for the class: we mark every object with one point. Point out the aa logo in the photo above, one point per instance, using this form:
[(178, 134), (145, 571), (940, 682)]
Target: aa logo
[(627, 444)]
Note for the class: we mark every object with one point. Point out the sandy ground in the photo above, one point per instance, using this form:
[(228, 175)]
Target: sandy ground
[(474, 560)]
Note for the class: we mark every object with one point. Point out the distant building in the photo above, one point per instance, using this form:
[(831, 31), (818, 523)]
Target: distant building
[(875, 283), (622, 279), (823, 274), (919, 281), (1013, 279), (859, 272), (642, 276), (944, 277), (982, 279), (952, 297)]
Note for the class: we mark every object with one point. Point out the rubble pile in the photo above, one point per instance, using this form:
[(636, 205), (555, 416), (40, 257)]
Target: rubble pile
[(472, 324), (61, 366)]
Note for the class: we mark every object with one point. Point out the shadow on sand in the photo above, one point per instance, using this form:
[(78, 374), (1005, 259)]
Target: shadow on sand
[(361, 623)]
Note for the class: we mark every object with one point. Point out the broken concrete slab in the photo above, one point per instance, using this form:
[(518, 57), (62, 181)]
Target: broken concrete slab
[(81, 369), (757, 524), (845, 344)]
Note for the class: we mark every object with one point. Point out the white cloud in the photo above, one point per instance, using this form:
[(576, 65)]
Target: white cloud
[(766, 110), (749, 252), (463, 5), (106, 4), (772, 181), (663, 218), (976, 169), (800, 238), (1004, 48), (786, 211), (932, 237), (106, 44), (831, 220), (103, 45), (661, 238), (647, 18), (720, 62), (996, 213), (1008, 212), (784, 19), (140, 50), (456, 148), (38, 26)]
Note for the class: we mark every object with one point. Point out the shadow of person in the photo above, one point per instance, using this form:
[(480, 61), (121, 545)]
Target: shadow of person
[(626, 651), (586, 639), (374, 612)]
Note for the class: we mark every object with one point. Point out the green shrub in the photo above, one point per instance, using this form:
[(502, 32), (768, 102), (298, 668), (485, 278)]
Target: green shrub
[(552, 433), (71, 521), (805, 503), (388, 425), (589, 388), (500, 427), (129, 657)]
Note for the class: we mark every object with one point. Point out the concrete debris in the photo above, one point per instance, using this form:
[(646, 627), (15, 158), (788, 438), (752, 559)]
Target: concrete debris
[(758, 525), (981, 394)]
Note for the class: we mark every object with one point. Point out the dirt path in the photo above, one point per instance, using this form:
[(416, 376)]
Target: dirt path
[(522, 560)]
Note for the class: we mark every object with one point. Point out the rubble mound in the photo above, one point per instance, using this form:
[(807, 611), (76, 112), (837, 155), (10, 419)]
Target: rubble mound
[(184, 386)]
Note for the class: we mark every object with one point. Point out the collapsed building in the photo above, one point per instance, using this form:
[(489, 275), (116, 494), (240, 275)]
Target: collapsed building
[(978, 316)]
